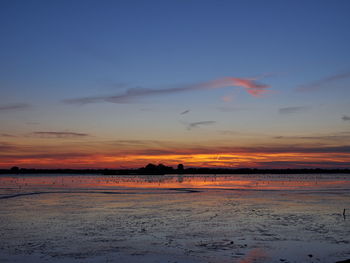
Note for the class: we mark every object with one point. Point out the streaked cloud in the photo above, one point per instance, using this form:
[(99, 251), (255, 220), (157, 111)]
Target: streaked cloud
[(302, 164), (52, 156), (227, 98), (230, 132), (7, 135), (137, 153), (137, 147), (345, 118), (6, 147), (56, 134), (138, 143), (250, 85), (340, 136), (148, 110), (199, 123), (15, 106), (291, 110), (242, 134), (323, 82), (230, 109), (32, 123)]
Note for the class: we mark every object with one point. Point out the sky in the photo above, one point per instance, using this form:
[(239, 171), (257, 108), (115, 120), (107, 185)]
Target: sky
[(119, 84)]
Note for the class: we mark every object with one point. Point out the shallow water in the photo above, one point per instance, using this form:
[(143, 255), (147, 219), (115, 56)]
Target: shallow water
[(233, 218)]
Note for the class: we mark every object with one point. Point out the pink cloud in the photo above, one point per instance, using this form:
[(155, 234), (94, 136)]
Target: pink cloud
[(249, 84), (253, 87), (227, 98)]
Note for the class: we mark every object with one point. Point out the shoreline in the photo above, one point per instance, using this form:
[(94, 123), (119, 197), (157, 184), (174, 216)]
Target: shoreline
[(187, 171)]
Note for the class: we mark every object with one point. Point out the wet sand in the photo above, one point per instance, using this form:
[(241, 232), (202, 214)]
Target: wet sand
[(260, 218)]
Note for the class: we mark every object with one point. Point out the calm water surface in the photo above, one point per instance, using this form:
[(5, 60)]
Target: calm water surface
[(317, 182), (226, 218)]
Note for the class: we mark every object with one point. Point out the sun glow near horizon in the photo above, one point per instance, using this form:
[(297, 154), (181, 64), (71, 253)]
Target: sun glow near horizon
[(163, 83)]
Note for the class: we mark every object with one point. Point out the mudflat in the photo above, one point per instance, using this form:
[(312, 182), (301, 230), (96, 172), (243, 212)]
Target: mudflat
[(226, 218)]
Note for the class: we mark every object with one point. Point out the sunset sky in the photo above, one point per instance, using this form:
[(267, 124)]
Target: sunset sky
[(119, 84)]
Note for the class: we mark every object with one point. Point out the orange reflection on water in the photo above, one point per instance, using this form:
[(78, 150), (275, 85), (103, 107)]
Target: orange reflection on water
[(244, 182), (255, 255)]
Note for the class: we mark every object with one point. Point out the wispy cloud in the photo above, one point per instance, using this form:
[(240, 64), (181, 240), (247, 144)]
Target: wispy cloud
[(229, 132), (138, 147), (322, 82), (340, 137), (291, 110), (135, 153), (6, 147), (55, 134), (345, 118), (242, 134), (184, 112), (53, 156), (32, 123), (250, 85), (16, 106), (303, 164), (227, 98), (199, 123), (230, 109), (7, 135)]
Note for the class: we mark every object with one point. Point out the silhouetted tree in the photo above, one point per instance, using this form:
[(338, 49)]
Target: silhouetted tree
[(164, 169), (14, 169), (151, 167), (156, 169), (180, 167), (161, 166)]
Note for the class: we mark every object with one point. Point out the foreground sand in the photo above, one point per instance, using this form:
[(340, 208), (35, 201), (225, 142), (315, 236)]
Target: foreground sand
[(111, 223)]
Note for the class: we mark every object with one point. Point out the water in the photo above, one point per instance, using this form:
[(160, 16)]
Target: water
[(317, 182), (226, 218)]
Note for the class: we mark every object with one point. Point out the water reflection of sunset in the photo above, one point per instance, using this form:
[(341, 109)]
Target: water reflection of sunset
[(243, 182)]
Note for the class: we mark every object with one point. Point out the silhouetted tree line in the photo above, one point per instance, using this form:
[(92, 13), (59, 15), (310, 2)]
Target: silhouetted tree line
[(160, 169)]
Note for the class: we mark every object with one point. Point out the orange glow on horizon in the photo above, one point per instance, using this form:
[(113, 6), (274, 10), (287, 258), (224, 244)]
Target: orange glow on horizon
[(228, 160)]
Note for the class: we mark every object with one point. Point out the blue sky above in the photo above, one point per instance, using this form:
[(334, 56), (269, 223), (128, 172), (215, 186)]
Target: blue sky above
[(54, 51)]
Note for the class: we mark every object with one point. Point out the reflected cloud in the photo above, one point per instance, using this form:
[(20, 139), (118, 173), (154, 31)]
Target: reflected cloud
[(183, 183), (254, 255)]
